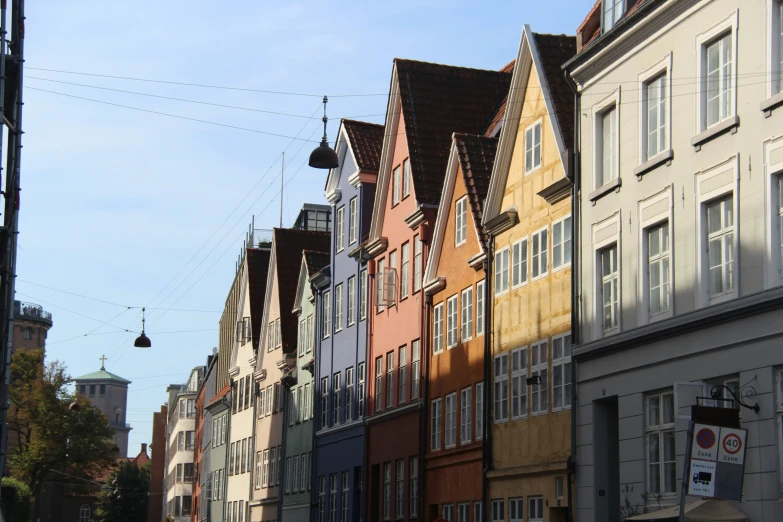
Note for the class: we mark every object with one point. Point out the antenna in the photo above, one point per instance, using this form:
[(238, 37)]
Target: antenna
[(282, 174)]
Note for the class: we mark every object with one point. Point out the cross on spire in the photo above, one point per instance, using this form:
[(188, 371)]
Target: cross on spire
[(103, 360)]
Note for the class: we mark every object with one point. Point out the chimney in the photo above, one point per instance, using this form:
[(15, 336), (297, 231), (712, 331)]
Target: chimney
[(144, 447)]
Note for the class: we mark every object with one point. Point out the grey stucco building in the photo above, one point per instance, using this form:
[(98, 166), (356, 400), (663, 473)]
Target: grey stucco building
[(217, 419), (678, 244)]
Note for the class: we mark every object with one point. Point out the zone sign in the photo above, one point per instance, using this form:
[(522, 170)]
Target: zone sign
[(731, 449), (705, 442)]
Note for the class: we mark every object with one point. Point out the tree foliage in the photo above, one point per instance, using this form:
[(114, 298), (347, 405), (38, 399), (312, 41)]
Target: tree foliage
[(126, 494), (48, 440), (16, 500)]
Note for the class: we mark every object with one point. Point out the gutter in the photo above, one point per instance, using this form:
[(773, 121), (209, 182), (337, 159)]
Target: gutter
[(425, 390), (575, 209), (486, 433)]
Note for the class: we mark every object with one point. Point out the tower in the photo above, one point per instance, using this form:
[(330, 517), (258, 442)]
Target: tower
[(109, 393), (31, 326)]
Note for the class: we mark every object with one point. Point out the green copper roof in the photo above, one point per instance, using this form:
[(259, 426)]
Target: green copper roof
[(102, 375)]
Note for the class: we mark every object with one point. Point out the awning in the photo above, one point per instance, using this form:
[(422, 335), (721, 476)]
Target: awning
[(707, 510)]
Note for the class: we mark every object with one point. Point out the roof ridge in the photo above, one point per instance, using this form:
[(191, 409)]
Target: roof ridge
[(363, 122), (448, 66)]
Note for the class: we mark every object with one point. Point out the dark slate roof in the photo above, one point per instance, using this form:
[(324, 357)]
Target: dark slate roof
[(289, 245), (554, 51), (257, 271), (438, 100), (366, 143), (315, 261), (476, 157)]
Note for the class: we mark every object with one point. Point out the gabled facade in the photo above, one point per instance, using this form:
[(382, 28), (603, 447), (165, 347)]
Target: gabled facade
[(427, 103), (252, 279), (528, 216), (202, 453), (340, 331), (298, 388), (679, 246), (454, 278), (275, 355)]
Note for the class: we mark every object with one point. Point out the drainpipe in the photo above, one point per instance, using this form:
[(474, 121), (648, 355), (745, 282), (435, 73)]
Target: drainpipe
[(284, 391), (575, 214), (486, 433), (425, 386)]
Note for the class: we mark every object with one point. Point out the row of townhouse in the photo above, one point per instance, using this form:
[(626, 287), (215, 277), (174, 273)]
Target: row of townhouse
[(498, 317)]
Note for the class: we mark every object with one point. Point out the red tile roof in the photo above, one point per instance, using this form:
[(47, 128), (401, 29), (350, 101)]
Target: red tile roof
[(591, 26), (219, 395), (366, 143), (289, 243), (476, 157), (501, 112), (554, 51), (257, 270), (438, 100)]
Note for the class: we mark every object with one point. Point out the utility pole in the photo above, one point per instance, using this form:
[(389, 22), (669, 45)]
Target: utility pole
[(11, 74), (282, 174)]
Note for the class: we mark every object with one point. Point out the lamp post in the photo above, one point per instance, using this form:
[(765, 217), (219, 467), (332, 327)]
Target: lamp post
[(324, 157), (142, 341)]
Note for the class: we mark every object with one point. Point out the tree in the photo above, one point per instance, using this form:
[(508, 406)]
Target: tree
[(53, 442), (126, 494)]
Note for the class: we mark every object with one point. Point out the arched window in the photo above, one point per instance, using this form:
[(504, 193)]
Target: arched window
[(28, 333), (84, 513)]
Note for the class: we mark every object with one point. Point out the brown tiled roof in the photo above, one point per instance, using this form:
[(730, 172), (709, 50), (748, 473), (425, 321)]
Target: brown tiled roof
[(476, 157), (315, 261), (366, 143), (501, 112), (219, 395), (588, 24), (257, 270), (438, 100), (554, 51), (289, 245)]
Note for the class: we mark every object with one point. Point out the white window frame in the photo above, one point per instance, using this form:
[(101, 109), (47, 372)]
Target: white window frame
[(463, 512), (520, 264), (611, 102), (418, 257), (562, 259), (502, 272), (539, 393), (774, 9), (606, 234), (659, 429), (396, 185), (653, 212), (379, 367), (542, 258), (415, 368), (327, 313), (662, 68), (562, 363), (478, 511), (413, 491), (461, 221), (437, 329), (516, 510), (349, 394), (351, 300), (390, 379), (338, 307), (466, 314), (353, 214), (448, 512), (340, 229), (324, 402), (607, 25), (362, 386), (436, 409), (310, 333), (364, 295), (519, 379), (405, 257), (773, 246), (452, 338), (465, 415), (538, 502), (399, 489), (531, 145), (500, 386), (479, 411), (406, 178), (402, 374), (498, 512), (302, 341), (715, 183), (480, 308), (450, 417), (728, 25), (337, 390)]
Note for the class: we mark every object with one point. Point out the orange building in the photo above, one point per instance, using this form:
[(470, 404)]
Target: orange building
[(455, 279), (427, 103)]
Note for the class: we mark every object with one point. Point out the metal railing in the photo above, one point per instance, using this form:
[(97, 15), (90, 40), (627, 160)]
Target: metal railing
[(32, 311)]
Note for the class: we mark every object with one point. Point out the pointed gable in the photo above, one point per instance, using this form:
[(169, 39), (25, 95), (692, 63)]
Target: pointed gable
[(366, 141), (476, 157), (289, 244)]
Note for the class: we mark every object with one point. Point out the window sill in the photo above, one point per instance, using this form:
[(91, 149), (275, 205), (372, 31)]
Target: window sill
[(728, 125), (519, 285), (600, 192), (531, 171), (771, 103), (656, 161), (561, 267), (539, 277)]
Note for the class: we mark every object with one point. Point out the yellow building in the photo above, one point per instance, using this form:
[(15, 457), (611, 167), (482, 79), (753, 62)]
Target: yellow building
[(528, 215)]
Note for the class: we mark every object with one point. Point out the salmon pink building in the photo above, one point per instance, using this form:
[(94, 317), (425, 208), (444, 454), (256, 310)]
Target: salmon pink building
[(427, 103)]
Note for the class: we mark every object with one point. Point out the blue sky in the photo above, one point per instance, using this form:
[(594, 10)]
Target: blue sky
[(116, 201)]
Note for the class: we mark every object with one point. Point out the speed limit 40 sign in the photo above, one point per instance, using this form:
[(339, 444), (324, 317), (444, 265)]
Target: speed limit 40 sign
[(731, 446)]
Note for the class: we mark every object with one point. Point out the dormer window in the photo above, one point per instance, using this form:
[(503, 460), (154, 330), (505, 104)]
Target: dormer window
[(613, 11)]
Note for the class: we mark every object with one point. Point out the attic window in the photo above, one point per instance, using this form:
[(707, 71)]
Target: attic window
[(612, 12)]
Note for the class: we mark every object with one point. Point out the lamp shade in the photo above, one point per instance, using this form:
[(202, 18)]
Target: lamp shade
[(323, 157), (142, 341)]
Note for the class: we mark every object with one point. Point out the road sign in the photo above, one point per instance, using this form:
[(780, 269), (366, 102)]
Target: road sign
[(731, 449), (705, 442), (701, 479)]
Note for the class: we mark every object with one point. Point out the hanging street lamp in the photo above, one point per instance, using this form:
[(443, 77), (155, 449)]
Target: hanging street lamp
[(324, 157), (142, 341)]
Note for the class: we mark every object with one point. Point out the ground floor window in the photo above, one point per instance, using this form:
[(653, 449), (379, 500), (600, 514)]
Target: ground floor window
[(661, 460), (535, 509)]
